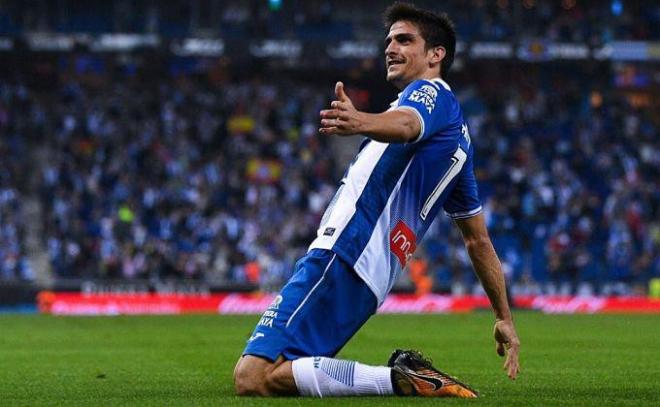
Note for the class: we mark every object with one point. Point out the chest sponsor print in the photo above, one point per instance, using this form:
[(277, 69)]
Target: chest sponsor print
[(402, 242)]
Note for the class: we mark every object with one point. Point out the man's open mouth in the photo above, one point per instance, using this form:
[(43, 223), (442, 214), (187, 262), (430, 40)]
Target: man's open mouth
[(393, 63)]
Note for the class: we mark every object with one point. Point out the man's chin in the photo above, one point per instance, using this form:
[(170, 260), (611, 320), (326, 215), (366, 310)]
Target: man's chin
[(394, 79)]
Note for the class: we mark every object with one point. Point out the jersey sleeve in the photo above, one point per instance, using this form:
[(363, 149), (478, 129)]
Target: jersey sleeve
[(432, 104), (463, 201)]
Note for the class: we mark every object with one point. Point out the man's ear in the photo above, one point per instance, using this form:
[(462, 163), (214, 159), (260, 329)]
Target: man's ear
[(437, 54)]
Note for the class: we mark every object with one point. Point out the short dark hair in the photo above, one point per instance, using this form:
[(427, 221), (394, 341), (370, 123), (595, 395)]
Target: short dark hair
[(436, 29)]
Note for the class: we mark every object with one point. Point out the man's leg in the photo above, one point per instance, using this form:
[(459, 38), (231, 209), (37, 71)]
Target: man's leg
[(255, 376), (407, 374), (310, 376), (316, 313)]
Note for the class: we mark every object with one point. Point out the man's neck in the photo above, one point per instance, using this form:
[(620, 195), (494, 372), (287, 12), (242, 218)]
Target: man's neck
[(428, 75)]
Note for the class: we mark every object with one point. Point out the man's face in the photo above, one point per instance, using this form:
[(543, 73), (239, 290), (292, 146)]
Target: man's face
[(405, 56)]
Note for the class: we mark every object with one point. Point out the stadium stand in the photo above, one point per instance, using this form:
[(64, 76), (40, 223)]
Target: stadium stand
[(150, 166), (14, 263), (567, 20), (182, 181)]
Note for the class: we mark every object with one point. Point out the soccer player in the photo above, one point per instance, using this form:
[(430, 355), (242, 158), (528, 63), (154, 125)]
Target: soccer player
[(416, 160)]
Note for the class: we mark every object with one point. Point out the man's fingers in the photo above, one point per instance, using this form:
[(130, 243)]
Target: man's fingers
[(329, 114), (332, 130), (334, 114), (339, 91), (507, 344), (513, 371), (512, 365), (329, 131), (339, 105), (341, 118), (332, 123)]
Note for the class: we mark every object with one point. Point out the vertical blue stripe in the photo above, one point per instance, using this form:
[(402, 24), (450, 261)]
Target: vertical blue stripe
[(351, 373)]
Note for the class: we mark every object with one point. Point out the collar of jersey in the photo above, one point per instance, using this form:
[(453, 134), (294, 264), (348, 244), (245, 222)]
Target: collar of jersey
[(443, 83), (436, 79)]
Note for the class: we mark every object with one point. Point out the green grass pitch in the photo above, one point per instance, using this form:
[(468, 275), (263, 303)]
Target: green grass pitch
[(579, 360)]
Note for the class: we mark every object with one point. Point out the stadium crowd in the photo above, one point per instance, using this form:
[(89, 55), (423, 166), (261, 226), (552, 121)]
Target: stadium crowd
[(184, 171), (568, 171), (589, 21), (180, 180), (226, 181), (14, 262)]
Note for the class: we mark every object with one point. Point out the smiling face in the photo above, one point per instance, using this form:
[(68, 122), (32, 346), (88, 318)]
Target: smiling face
[(406, 58)]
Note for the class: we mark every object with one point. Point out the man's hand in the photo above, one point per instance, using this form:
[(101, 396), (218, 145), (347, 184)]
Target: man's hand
[(343, 119), (507, 343), (392, 126)]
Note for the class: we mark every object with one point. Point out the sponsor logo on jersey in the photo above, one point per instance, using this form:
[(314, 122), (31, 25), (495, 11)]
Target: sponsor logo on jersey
[(425, 95), (271, 313), (276, 302), (267, 318), (402, 242), (329, 231)]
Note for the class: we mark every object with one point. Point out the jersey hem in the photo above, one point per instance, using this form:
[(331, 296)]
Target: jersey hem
[(465, 214), (344, 257), (421, 122)]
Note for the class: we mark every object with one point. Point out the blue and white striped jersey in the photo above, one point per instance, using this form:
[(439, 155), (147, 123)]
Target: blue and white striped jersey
[(391, 192)]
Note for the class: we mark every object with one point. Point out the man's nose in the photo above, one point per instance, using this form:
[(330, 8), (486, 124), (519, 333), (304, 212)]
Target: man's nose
[(390, 49)]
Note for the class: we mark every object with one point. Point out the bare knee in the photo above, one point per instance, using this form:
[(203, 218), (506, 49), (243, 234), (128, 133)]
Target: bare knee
[(249, 378), (254, 376)]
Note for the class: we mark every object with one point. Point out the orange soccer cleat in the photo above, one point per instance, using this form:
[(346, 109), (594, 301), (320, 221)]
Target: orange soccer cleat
[(414, 375)]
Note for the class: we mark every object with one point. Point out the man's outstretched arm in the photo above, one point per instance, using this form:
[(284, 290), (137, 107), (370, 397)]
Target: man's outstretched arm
[(489, 270), (343, 119)]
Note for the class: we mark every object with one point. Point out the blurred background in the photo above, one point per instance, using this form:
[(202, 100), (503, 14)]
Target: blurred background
[(172, 146)]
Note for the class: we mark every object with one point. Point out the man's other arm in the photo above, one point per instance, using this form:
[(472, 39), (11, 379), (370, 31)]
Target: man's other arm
[(489, 270)]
